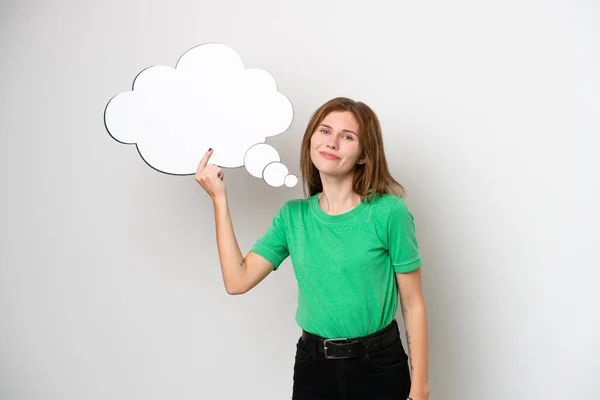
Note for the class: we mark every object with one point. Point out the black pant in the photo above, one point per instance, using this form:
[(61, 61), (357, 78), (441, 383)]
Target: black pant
[(381, 375)]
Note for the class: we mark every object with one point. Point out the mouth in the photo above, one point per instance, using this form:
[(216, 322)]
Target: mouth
[(328, 156)]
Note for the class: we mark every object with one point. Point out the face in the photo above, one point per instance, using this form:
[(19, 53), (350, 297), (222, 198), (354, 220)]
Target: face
[(335, 148)]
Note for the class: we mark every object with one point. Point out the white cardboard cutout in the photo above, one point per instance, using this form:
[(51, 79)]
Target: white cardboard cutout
[(174, 116)]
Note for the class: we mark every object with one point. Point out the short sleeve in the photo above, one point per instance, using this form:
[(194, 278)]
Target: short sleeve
[(402, 241), (273, 244)]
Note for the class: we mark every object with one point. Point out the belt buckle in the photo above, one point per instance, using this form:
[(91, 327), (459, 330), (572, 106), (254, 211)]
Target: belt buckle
[(332, 341)]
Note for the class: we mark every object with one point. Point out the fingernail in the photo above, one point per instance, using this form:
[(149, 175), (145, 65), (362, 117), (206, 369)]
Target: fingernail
[(210, 149)]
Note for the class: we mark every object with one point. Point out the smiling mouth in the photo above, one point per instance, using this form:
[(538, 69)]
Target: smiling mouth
[(327, 156)]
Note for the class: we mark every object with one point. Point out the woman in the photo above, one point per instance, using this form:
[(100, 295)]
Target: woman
[(353, 249)]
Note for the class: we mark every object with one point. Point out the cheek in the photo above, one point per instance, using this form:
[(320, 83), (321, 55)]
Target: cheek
[(314, 142), (357, 153)]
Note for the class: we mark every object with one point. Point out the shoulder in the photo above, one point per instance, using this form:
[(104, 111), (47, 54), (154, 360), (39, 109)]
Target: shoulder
[(385, 202), (297, 202), (294, 207), (390, 210)]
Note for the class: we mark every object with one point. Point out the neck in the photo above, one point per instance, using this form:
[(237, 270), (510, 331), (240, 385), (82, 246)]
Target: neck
[(338, 196)]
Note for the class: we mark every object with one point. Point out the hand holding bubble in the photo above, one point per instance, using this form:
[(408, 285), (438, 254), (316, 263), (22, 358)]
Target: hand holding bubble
[(211, 177)]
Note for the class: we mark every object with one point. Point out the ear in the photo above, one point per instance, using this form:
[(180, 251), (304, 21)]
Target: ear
[(362, 160)]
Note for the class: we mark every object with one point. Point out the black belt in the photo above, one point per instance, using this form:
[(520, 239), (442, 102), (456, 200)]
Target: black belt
[(346, 348)]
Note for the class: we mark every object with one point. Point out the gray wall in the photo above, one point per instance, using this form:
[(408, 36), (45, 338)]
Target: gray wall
[(110, 286)]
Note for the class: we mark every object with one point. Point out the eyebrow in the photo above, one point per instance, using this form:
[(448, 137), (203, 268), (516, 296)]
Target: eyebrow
[(343, 130)]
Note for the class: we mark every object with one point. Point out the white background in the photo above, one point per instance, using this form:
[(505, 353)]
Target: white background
[(110, 286)]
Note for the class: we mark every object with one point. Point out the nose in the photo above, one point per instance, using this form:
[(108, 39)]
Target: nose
[(332, 144)]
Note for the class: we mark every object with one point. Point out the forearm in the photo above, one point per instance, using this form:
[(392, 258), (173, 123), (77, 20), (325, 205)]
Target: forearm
[(230, 255), (415, 320)]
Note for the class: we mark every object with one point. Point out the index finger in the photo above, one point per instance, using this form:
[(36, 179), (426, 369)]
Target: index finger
[(204, 160)]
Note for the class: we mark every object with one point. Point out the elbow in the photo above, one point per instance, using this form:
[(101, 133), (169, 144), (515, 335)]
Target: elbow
[(233, 291), (236, 284)]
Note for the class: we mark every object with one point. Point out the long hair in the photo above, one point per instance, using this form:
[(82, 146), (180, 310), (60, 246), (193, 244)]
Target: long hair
[(371, 178)]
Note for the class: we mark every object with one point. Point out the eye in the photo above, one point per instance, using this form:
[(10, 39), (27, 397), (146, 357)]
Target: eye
[(324, 130), (349, 136)]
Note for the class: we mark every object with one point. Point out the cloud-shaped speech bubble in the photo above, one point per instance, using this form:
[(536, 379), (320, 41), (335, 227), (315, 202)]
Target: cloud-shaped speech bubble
[(174, 115)]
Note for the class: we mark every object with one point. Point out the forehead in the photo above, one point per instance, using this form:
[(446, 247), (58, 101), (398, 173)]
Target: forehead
[(339, 120)]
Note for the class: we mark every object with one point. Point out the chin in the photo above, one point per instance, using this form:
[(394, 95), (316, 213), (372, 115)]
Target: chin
[(327, 169), (323, 168), (332, 172)]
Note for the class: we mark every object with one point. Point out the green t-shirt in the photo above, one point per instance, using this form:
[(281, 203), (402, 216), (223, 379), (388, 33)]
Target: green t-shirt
[(345, 264)]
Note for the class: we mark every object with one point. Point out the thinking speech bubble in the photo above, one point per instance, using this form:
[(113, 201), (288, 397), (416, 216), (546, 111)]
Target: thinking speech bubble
[(174, 115)]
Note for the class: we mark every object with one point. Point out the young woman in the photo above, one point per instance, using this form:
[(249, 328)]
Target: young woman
[(353, 248)]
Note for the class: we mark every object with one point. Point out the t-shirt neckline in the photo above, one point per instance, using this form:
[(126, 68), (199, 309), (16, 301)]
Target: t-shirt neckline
[(348, 215)]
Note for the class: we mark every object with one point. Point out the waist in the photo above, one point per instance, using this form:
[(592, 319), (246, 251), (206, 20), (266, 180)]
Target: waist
[(355, 347)]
